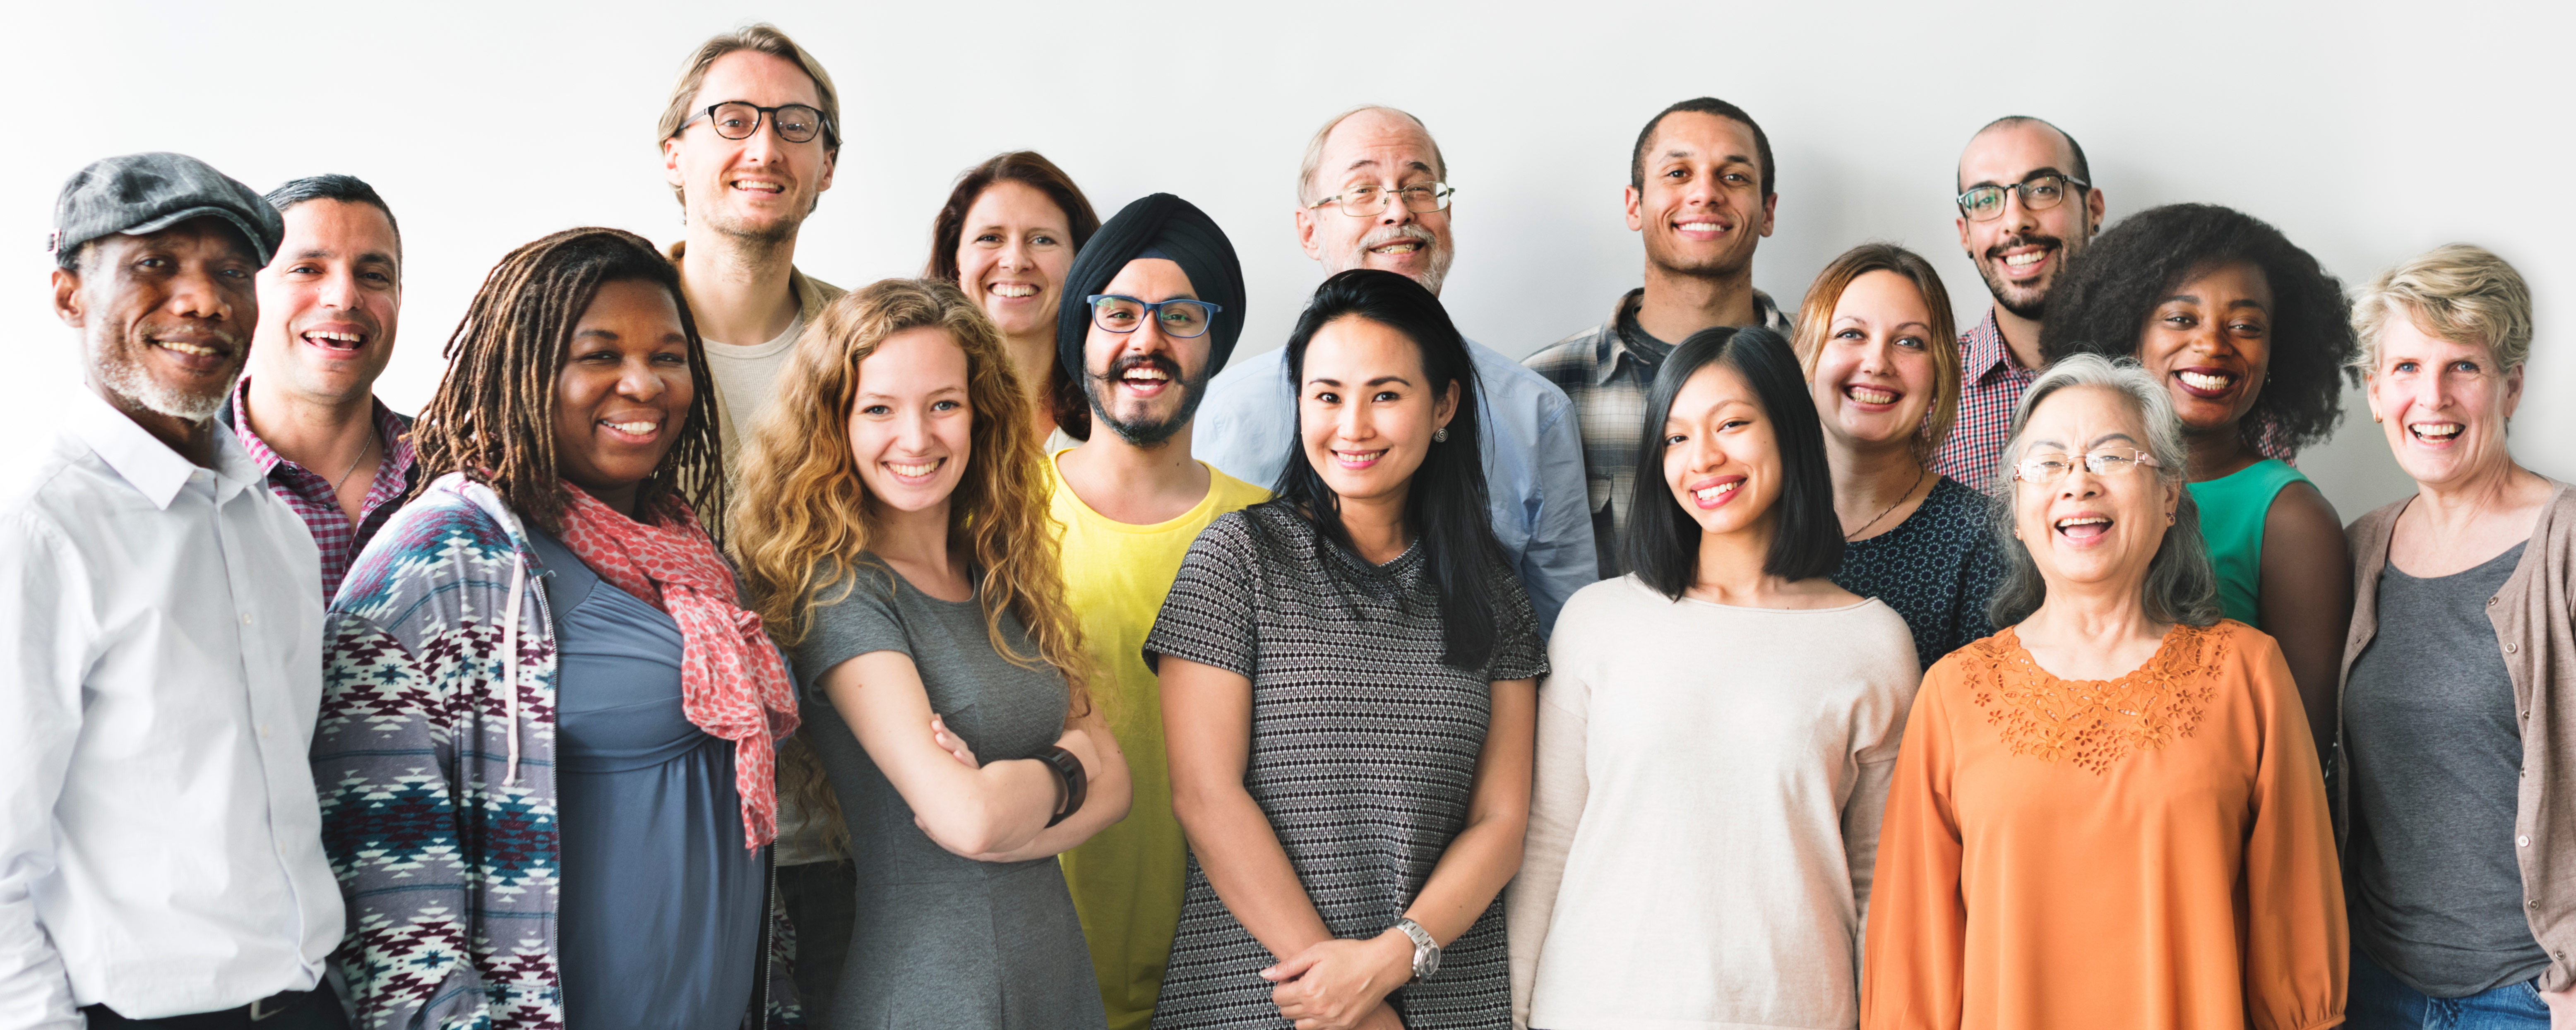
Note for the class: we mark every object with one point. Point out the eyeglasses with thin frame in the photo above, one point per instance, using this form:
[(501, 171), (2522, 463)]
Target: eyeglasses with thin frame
[(1180, 318), (2038, 193), (2043, 469), (738, 119), (1367, 201)]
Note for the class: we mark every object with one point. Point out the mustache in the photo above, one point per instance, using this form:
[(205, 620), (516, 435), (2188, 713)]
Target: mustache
[(1996, 252), (1119, 368), (1391, 234)]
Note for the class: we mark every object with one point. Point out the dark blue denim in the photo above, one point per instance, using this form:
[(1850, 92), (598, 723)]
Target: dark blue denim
[(2381, 1001)]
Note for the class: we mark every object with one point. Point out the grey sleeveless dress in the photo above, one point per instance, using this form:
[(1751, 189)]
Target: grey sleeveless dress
[(942, 941)]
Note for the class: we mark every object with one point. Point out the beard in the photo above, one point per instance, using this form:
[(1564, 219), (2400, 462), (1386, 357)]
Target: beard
[(125, 376), (1145, 433), (754, 236), (1433, 270), (2025, 301)]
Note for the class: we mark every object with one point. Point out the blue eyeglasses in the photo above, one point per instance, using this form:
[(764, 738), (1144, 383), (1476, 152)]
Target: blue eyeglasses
[(1180, 317)]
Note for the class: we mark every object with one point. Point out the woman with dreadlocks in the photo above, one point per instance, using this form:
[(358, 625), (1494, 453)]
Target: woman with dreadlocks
[(547, 728)]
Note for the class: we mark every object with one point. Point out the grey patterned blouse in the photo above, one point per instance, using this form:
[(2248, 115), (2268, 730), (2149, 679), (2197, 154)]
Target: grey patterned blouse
[(1938, 568), (1363, 754)]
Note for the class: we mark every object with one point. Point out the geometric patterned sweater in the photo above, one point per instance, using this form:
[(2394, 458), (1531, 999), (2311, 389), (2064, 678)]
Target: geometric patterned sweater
[(434, 759)]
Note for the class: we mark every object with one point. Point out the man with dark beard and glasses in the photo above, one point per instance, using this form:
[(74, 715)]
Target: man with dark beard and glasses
[(161, 858), (1152, 306), (1371, 194), (2027, 204), (1700, 197)]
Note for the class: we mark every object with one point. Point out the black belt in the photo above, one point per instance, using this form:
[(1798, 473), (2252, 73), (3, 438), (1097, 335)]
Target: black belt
[(260, 1011)]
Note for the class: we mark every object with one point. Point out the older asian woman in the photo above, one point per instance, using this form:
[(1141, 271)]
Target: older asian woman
[(2248, 335), (2458, 740), (2098, 817)]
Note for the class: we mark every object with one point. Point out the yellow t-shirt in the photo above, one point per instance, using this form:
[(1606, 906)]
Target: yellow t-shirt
[(1126, 881)]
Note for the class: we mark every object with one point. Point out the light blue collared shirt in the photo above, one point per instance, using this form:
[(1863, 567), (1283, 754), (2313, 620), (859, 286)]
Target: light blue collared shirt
[(1247, 428)]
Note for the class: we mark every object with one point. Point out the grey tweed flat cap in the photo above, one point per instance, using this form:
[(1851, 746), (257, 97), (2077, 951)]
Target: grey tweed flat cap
[(146, 193)]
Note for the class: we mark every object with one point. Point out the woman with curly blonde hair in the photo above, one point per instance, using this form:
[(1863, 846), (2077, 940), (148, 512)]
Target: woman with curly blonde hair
[(893, 527)]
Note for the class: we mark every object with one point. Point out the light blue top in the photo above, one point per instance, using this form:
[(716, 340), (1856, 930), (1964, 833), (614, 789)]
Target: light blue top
[(1247, 428), (661, 909)]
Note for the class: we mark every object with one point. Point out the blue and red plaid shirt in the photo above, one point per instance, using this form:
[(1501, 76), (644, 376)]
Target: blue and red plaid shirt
[(311, 496), (1991, 383)]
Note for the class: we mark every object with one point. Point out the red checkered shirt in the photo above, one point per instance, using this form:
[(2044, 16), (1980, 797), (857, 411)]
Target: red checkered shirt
[(1990, 384), (311, 497)]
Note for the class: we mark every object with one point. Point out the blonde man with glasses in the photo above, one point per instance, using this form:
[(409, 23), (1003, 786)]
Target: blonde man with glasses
[(1371, 195), (749, 141)]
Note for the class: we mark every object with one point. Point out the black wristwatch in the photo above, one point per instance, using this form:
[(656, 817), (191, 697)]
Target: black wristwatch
[(1069, 776)]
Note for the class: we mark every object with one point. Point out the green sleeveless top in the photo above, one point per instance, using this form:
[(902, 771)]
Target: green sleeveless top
[(2232, 510)]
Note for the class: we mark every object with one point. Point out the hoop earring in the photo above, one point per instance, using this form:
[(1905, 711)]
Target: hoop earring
[(1440, 435)]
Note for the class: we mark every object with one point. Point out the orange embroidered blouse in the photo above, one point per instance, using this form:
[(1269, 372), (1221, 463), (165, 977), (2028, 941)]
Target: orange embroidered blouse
[(2146, 852)]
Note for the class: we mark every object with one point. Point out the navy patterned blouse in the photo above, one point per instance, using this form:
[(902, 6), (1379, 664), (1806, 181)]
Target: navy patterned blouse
[(1937, 569)]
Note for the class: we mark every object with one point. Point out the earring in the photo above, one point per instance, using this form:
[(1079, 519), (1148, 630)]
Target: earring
[(2169, 518), (1440, 435)]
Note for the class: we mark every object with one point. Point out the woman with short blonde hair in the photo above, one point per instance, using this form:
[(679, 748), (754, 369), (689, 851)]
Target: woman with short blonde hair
[(2457, 738), (894, 529)]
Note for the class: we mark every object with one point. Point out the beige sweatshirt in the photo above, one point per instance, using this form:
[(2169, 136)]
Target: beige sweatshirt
[(1705, 816)]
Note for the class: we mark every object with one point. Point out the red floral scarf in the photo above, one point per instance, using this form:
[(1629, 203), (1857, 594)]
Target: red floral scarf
[(732, 684)]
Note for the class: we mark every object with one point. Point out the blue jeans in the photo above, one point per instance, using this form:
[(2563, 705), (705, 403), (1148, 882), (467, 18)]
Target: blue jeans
[(2381, 1001)]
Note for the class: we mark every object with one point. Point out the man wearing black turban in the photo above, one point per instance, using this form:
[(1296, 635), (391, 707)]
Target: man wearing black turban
[(1131, 500)]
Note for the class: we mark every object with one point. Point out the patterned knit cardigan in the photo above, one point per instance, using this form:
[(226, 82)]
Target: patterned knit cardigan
[(438, 780)]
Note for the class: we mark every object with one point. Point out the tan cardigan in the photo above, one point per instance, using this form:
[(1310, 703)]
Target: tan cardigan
[(2535, 621)]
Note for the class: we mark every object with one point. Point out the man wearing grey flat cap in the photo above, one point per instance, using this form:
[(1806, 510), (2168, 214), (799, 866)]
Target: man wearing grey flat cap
[(161, 859)]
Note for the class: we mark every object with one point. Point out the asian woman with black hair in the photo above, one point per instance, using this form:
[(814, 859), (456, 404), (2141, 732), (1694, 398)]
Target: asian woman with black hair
[(1716, 738), (1348, 697)]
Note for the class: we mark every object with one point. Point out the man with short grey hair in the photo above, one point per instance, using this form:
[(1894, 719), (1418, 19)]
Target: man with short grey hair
[(161, 858), (1371, 194)]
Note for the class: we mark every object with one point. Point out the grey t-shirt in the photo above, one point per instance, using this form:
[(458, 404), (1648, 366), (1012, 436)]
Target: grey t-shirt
[(941, 941), (2436, 895)]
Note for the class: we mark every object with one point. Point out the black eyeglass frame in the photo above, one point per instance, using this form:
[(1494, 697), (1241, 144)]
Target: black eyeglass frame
[(766, 115), (1151, 309), (2023, 187)]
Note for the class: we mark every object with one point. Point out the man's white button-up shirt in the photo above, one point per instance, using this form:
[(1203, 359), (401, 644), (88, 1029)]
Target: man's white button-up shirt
[(160, 849)]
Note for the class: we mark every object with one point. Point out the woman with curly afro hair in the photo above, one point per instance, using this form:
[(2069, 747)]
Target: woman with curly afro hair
[(2250, 336)]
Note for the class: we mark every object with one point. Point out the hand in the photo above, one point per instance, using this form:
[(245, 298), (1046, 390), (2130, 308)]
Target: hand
[(2562, 1008), (953, 744), (1335, 984)]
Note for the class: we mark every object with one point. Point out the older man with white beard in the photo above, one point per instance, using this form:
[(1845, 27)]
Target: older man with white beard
[(1372, 194), (161, 856)]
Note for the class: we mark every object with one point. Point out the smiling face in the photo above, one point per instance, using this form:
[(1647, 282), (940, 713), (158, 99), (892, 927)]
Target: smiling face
[(2086, 528), (2210, 343), (1701, 211), (1012, 257), (2442, 403), (911, 423), (1366, 412), (757, 188), (1387, 150), (623, 393), (165, 318), (1144, 384), (2019, 253), (1874, 378), (1721, 453), (328, 302)]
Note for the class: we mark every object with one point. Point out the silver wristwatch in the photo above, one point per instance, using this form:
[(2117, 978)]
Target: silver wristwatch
[(1426, 952)]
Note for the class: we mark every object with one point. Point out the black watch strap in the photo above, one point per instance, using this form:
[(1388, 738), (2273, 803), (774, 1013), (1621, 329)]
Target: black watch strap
[(1068, 771)]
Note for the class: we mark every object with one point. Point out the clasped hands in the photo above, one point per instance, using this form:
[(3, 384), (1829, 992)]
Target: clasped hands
[(1342, 984)]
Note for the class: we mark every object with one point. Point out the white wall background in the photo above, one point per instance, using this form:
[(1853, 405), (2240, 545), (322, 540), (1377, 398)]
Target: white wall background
[(2367, 131)]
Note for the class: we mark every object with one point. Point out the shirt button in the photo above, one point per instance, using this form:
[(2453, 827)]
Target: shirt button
[(245, 618), (2491, 602), (263, 731), (2520, 842), (2511, 648)]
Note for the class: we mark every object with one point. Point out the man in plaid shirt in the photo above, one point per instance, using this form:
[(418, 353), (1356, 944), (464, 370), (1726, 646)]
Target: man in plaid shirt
[(1700, 197), (2027, 204), (307, 411)]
